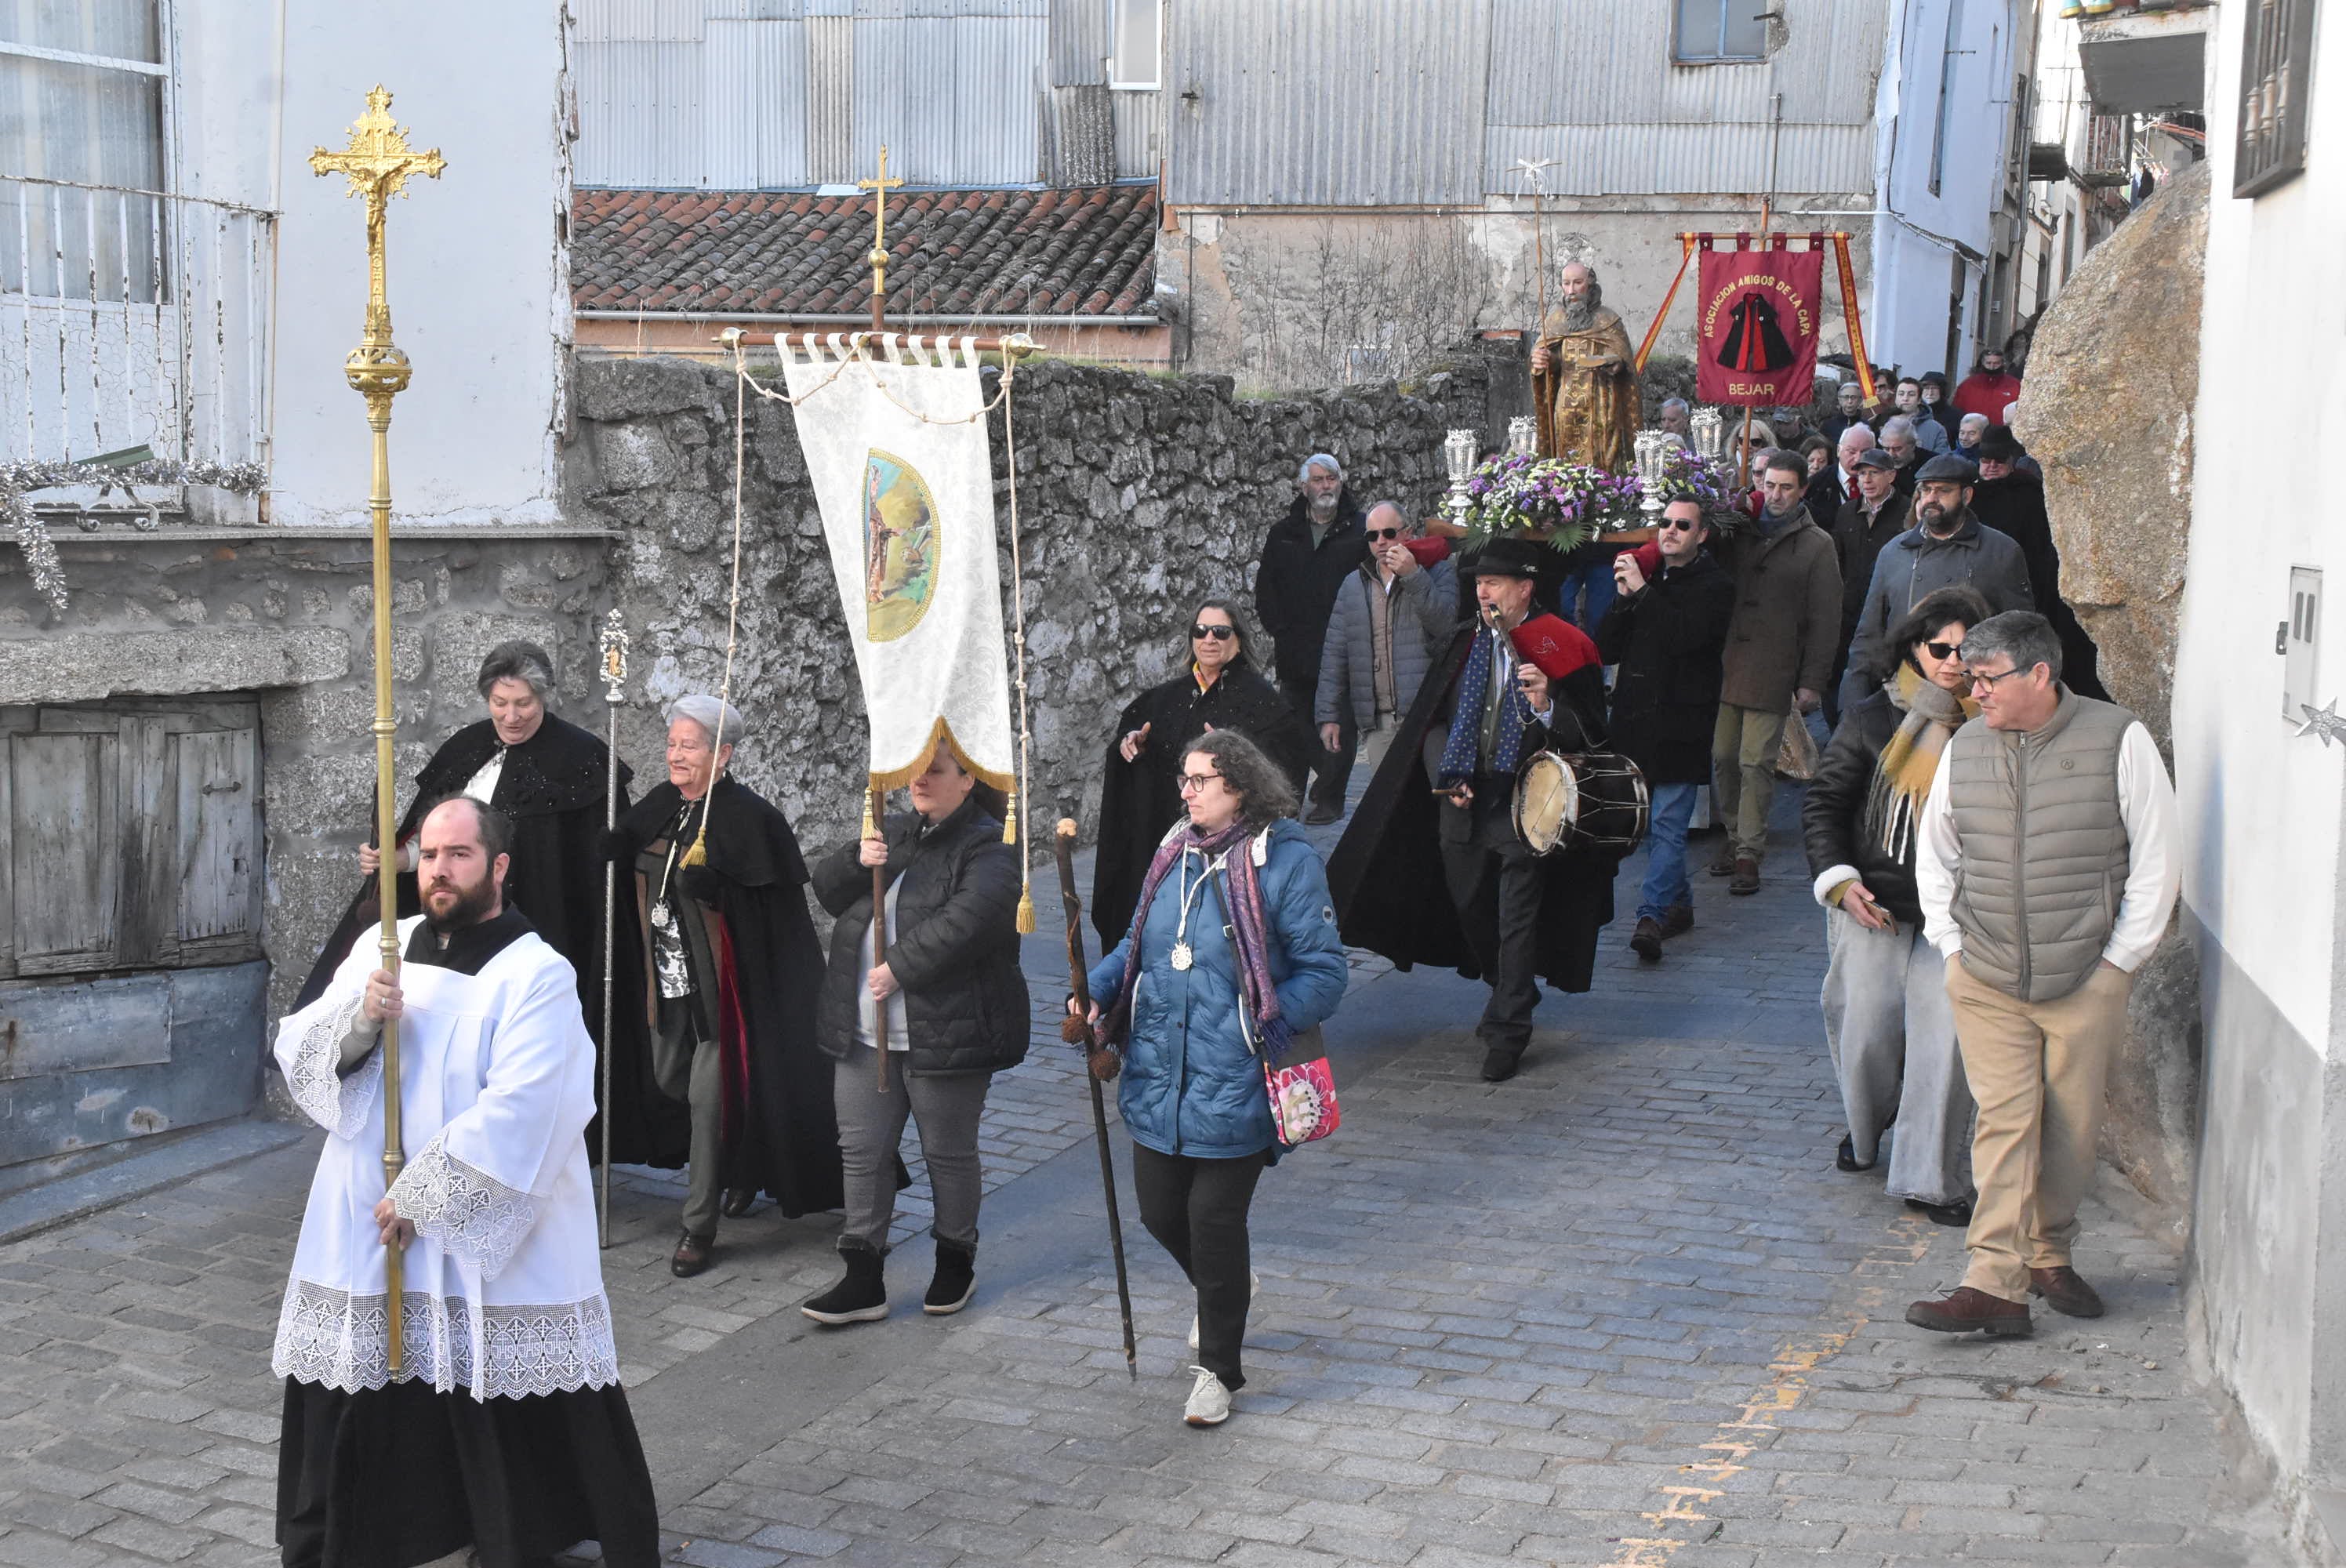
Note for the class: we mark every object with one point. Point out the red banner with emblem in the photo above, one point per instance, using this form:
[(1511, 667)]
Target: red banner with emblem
[(1756, 315)]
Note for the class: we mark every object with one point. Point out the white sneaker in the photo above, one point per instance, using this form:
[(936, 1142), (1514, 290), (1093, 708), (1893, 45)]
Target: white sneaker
[(1210, 1402), (1254, 1289)]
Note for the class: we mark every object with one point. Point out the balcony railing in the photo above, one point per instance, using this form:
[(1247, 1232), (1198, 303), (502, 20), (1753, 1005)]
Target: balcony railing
[(131, 317)]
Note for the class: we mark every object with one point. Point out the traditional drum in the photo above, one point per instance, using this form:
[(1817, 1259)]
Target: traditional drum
[(1593, 800)]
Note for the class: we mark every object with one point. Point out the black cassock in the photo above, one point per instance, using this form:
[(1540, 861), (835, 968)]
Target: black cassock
[(1141, 798), (552, 787), (1755, 341), (1386, 878), (754, 956)]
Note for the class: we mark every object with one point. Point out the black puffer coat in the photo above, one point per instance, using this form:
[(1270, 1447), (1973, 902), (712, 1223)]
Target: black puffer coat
[(955, 951), (1832, 816)]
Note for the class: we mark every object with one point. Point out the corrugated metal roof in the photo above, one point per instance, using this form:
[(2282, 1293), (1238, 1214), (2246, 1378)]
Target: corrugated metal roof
[(639, 113), (753, 100), (645, 21), (1327, 101), (1079, 42), (1139, 136), (953, 98), (1685, 160), (831, 98), (1589, 64)]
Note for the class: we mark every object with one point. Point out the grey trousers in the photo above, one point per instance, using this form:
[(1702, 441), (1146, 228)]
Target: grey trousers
[(946, 1107), (1892, 1033), (692, 1069)]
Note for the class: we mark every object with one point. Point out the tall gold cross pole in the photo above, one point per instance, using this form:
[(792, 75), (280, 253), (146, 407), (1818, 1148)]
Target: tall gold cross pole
[(879, 189), (378, 162)]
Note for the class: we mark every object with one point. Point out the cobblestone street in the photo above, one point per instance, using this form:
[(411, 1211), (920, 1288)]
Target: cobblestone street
[(1621, 1310)]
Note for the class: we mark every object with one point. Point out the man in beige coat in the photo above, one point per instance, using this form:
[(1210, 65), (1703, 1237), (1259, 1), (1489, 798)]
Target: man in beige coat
[(1779, 650)]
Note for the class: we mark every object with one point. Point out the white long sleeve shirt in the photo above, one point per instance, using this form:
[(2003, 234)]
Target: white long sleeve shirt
[(2154, 866)]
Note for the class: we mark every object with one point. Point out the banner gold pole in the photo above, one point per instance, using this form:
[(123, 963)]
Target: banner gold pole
[(378, 162)]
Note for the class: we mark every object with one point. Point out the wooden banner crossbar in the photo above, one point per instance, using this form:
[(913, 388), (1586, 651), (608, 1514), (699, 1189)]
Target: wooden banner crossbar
[(1837, 239)]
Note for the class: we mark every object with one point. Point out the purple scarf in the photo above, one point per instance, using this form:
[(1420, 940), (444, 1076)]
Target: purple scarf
[(1258, 996)]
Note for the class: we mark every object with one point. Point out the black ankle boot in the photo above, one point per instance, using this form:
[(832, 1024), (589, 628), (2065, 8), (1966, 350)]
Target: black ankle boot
[(862, 1297), (954, 1282)]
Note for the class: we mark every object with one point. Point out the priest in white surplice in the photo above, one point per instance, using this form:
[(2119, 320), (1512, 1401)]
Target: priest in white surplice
[(507, 1429)]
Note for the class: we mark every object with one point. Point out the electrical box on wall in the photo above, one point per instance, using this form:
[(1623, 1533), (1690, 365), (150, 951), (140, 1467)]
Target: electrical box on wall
[(2300, 643)]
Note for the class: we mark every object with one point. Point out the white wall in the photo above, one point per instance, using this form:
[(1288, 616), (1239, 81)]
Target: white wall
[(1917, 237), (478, 276), (2260, 806)]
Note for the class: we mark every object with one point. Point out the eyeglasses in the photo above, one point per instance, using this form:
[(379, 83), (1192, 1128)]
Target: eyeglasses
[(1384, 533), (1686, 523), (1192, 783), (1218, 634), (1943, 650), (1991, 681)]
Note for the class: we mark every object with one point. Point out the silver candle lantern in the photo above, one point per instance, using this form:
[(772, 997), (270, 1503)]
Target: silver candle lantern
[(1522, 435), (1653, 456), (1709, 433), (1459, 451)]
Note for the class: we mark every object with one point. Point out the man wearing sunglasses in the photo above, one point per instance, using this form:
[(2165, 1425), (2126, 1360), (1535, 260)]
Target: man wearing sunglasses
[(1946, 547), (1306, 558), (1668, 634), (2046, 865), (1392, 617)]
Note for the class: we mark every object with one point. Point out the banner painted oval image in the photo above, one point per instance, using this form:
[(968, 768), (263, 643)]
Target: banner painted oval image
[(900, 547)]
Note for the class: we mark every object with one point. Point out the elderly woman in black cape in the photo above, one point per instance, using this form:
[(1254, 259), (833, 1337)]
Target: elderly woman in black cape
[(548, 775), (1140, 793), (735, 970)]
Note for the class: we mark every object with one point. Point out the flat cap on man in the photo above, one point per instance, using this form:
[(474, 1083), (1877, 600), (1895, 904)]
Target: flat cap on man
[(1506, 556), (1946, 466), (1999, 444), (1875, 457)]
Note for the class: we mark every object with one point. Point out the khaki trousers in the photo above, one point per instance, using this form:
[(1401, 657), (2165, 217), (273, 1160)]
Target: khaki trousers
[(1744, 742), (2037, 1070)]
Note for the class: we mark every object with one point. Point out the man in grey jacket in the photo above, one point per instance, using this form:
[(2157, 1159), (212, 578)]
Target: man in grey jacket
[(1389, 619), (2047, 864), (1945, 547)]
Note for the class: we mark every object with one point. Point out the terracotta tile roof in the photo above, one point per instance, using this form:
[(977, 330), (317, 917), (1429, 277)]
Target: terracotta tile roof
[(1089, 250)]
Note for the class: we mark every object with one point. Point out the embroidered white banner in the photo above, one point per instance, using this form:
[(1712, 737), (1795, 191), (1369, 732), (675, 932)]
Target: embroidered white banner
[(905, 485)]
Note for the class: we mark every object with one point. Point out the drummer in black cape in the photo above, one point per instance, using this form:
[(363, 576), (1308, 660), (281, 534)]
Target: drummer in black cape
[(1432, 869), (1140, 790), (736, 969), (549, 777)]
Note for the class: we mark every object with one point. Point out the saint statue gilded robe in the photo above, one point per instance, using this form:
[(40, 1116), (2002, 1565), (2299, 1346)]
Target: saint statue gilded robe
[(1587, 398)]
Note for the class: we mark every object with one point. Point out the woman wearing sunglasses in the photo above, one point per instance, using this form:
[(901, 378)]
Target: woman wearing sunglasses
[(1218, 690), (1887, 1019)]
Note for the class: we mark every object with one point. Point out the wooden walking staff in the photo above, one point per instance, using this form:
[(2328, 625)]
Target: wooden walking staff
[(378, 162), (1080, 1031), (875, 826), (614, 679)]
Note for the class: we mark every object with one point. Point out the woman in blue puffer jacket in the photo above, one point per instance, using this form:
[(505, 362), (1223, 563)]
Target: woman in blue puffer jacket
[(1232, 954)]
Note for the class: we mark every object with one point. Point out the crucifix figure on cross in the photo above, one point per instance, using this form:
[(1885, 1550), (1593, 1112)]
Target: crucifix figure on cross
[(377, 161), (879, 189)]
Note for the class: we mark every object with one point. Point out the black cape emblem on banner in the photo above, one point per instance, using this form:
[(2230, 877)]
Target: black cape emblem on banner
[(1755, 341)]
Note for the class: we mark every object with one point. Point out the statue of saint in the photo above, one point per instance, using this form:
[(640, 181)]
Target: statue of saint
[(1584, 386)]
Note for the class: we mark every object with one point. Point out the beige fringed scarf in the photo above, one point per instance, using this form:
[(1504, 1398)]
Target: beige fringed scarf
[(1903, 775)]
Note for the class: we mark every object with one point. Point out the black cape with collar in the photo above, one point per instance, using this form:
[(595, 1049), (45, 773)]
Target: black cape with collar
[(1141, 798), (1385, 876), (552, 787), (781, 1137)]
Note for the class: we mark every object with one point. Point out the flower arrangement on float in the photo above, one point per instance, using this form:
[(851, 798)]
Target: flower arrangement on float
[(1563, 505)]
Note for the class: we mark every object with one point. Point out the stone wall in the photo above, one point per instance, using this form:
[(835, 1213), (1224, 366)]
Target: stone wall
[(290, 616), (2113, 376), (1137, 496)]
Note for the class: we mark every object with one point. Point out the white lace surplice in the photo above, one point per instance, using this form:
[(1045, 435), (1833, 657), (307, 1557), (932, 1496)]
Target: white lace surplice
[(504, 1287)]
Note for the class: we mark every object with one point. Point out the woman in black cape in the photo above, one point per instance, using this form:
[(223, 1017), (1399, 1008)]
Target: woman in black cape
[(1140, 793), (549, 777)]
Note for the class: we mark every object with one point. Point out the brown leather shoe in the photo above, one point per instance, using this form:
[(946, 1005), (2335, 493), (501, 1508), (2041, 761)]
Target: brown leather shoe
[(692, 1255), (1746, 876), (2064, 1292), (738, 1201), (1722, 864), (1646, 941), (1966, 1310), (1676, 921)]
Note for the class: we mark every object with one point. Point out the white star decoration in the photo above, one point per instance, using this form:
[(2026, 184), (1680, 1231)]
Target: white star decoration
[(2323, 721)]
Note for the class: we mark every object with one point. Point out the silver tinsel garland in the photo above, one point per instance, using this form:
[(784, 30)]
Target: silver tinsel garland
[(19, 479)]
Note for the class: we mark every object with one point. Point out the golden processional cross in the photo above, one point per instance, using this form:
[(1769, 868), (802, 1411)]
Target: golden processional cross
[(879, 189), (378, 162)]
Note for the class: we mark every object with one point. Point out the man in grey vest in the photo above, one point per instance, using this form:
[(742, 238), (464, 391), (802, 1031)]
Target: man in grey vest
[(2047, 865)]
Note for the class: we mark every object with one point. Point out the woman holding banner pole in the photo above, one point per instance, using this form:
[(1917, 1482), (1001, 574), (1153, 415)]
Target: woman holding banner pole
[(956, 1014)]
